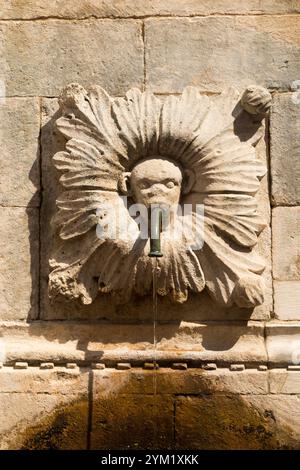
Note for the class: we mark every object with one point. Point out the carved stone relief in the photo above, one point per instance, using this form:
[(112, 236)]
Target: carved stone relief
[(188, 150)]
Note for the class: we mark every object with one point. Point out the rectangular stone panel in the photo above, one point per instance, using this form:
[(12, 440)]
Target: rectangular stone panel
[(116, 8), (197, 308), (286, 243), (287, 300), (41, 410), (192, 381), (283, 381), (39, 58), (59, 380), (214, 52), (19, 156), (125, 420), (231, 422), (285, 148), (283, 342), (19, 255)]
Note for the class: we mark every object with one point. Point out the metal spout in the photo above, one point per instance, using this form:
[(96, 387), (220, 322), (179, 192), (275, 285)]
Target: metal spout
[(155, 231)]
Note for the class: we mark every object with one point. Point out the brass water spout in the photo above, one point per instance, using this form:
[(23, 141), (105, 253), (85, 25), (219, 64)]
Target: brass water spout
[(155, 231)]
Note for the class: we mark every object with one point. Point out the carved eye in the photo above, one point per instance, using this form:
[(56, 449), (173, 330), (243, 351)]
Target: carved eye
[(170, 184)]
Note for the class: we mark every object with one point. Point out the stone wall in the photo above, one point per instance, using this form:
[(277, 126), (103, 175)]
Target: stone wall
[(228, 379)]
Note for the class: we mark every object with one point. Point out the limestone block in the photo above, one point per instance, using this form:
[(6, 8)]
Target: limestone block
[(283, 342), (34, 380), (127, 8), (19, 157), (287, 300), (286, 243), (125, 420), (42, 410), (237, 422), (207, 52), (19, 255), (285, 149), (110, 53), (192, 381), (283, 381)]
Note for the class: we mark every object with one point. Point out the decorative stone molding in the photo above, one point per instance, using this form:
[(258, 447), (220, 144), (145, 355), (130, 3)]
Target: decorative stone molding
[(86, 343), (276, 344), (189, 149)]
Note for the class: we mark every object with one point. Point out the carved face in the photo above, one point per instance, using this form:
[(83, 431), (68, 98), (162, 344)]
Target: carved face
[(156, 181)]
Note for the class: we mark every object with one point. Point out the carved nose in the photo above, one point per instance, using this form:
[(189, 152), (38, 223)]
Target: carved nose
[(157, 189)]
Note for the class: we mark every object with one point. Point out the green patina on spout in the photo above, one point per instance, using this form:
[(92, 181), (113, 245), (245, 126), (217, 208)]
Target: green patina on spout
[(155, 231)]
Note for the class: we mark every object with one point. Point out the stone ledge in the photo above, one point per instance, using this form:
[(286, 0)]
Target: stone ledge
[(253, 343), (61, 342)]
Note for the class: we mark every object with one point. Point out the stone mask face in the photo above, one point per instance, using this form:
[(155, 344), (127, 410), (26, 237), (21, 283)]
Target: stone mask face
[(156, 181)]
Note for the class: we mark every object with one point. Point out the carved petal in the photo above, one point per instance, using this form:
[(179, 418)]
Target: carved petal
[(235, 215), (180, 272), (137, 116), (180, 121), (224, 266), (87, 116), (80, 211)]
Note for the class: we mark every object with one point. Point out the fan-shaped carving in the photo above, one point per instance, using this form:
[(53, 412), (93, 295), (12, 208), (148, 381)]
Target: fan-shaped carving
[(107, 139)]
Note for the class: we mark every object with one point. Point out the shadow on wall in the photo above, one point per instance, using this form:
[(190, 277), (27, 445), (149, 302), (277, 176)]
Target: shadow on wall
[(32, 212)]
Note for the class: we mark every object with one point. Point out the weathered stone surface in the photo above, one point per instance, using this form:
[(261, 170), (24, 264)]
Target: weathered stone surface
[(235, 422), (283, 342), (287, 300), (143, 409), (42, 410), (284, 412), (19, 254), (283, 381), (19, 157), (109, 52), (126, 420), (256, 100), (285, 149), (286, 243), (126, 8), (207, 52), (167, 381), (113, 343), (59, 380)]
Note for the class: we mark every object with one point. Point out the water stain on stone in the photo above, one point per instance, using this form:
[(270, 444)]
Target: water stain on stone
[(65, 428), (122, 420)]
